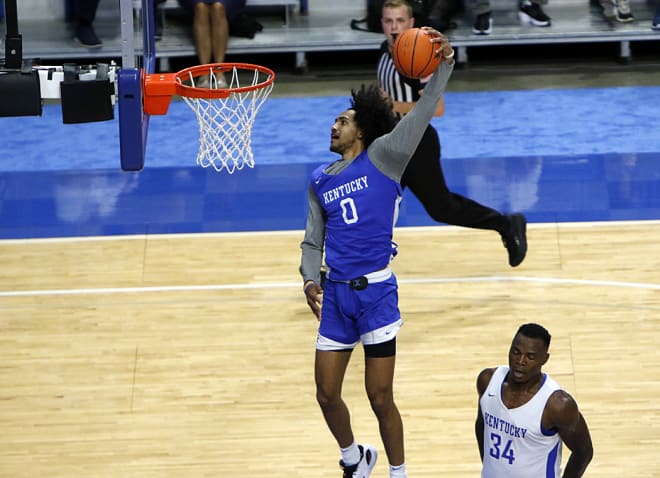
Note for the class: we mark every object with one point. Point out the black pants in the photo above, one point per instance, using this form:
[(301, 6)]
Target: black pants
[(84, 11), (426, 180)]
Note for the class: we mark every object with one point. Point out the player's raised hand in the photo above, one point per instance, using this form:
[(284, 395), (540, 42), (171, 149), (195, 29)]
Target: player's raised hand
[(445, 49)]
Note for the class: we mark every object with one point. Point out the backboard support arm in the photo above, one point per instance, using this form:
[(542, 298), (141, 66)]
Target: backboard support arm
[(13, 41)]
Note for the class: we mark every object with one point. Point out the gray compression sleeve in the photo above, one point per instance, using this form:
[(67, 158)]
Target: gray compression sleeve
[(312, 244)]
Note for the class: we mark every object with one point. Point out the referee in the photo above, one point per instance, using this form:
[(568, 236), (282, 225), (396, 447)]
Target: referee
[(424, 174)]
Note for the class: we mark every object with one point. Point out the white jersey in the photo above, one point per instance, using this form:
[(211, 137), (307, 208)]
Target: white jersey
[(515, 444)]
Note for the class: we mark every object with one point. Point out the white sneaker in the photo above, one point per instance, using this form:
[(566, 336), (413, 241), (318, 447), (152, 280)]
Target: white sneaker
[(368, 457)]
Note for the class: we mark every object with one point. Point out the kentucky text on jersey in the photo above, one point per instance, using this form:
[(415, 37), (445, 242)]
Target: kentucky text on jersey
[(504, 426), (343, 190)]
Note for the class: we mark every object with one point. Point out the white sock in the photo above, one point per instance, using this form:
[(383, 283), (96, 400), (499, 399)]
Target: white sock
[(398, 471), (350, 455)]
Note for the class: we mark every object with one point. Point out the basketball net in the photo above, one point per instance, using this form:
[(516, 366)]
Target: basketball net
[(225, 123)]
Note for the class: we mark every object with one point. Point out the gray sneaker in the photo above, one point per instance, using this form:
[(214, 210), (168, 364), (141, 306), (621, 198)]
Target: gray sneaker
[(617, 10), (202, 81), (623, 11)]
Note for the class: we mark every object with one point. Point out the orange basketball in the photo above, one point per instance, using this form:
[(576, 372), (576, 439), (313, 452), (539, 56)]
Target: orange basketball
[(414, 54)]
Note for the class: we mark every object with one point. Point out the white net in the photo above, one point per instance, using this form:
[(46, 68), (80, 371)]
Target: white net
[(225, 124)]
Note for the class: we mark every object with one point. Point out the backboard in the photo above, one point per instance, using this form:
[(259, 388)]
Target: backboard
[(138, 59)]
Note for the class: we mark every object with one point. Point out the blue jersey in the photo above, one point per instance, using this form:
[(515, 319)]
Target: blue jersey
[(361, 206), (338, 202)]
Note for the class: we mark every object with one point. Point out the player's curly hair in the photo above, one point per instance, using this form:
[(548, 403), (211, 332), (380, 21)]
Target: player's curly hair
[(373, 113)]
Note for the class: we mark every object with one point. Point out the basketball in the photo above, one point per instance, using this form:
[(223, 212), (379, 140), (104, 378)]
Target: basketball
[(414, 54)]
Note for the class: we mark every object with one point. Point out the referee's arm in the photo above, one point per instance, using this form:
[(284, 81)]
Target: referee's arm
[(404, 107)]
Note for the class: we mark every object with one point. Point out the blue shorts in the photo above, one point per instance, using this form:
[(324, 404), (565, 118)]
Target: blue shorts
[(349, 316)]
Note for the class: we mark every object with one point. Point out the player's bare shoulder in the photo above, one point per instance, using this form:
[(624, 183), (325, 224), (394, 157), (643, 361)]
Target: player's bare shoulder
[(483, 379), (561, 411), (560, 401)]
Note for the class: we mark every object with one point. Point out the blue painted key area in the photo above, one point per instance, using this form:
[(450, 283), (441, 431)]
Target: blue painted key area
[(556, 155)]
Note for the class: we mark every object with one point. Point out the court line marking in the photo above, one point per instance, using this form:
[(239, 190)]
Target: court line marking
[(300, 232), (287, 285), (413, 229)]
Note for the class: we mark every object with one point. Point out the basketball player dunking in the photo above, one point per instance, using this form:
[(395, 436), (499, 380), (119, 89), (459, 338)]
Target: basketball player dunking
[(353, 207)]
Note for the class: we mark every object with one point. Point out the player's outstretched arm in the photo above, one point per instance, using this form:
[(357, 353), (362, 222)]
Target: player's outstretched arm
[(391, 152)]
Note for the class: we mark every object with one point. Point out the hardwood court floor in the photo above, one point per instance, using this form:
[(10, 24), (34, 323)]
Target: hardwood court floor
[(191, 355)]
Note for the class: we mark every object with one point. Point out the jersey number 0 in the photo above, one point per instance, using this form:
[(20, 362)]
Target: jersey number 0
[(348, 211)]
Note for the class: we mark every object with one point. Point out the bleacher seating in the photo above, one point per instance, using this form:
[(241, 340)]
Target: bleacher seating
[(324, 26)]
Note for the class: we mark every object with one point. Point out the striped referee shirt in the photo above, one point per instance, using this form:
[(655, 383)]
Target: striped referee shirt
[(397, 86)]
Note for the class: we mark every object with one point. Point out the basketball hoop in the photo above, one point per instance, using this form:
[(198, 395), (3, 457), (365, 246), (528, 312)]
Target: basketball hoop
[(225, 98)]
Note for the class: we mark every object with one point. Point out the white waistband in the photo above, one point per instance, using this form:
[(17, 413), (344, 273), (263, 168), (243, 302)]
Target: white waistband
[(372, 277)]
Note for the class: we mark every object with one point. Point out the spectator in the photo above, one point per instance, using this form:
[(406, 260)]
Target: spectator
[(530, 12), (211, 19), (424, 175)]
